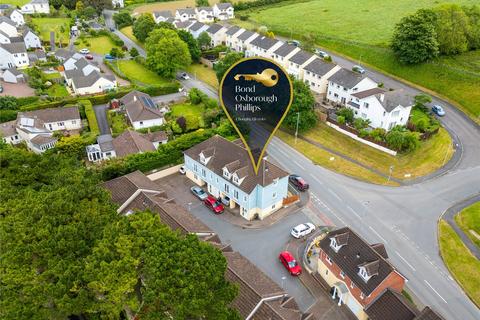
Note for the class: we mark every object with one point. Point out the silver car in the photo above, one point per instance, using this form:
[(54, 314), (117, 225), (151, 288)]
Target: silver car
[(199, 193), (302, 230)]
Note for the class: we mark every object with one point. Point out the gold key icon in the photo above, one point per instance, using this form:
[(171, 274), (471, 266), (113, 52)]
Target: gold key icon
[(268, 77)]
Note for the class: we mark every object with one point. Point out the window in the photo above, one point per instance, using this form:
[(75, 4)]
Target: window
[(273, 206), (235, 194), (364, 115), (195, 167), (235, 179), (396, 113), (328, 259), (274, 195), (365, 104), (342, 274), (245, 198), (326, 271), (362, 296), (226, 174), (352, 285), (74, 121), (227, 188), (141, 122), (335, 95), (204, 173), (384, 113)]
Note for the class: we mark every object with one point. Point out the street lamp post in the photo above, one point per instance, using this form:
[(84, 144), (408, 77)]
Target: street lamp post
[(390, 173), (296, 130)]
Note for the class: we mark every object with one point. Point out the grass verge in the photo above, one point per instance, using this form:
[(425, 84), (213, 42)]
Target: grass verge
[(137, 72), (464, 267), (322, 158), (204, 74), (469, 220)]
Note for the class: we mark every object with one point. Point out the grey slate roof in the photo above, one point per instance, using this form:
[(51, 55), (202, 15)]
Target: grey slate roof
[(223, 6), (165, 13), (246, 35), (368, 93), (7, 20), (105, 142), (17, 39), (232, 30), (319, 67), (137, 110), (301, 57), (393, 99), (182, 24), (52, 114), (346, 78), (196, 26), (189, 11), (264, 42), (70, 74), (285, 49), (208, 9), (41, 140), (90, 79), (63, 54), (8, 128), (16, 47), (14, 71), (214, 28)]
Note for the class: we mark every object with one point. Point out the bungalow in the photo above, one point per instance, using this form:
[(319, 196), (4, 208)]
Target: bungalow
[(298, 61), (30, 39), (37, 127), (12, 75), (204, 14), (197, 28), (36, 6), (162, 16), (385, 109), (141, 110), (343, 83), (8, 27), (64, 55), (356, 271), (243, 40), (8, 132), (217, 34), (263, 46), (185, 14), (13, 55), (316, 74), (16, 16), (282, 54), (86, 67), (223, 11), (93, 83), (225, 168), (129, 142), (231, 38)]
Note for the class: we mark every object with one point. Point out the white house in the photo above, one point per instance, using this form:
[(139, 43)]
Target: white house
[(12, 75), (118, 3), (263, 46), (37, 127), (316, 74), (298, 61), (13, 55), (8, 132), (204, 14), (343, 83), (94, 82), (217, 34), (242, 41), (30, 39), (4, 38), (284, 53), (8, 27), (385, 109), (183, 25), (231, 38), (86, 67), (162, 16), (197, 28), (223, 11), (70, 60), (185, 14), (141, 111), (36, 6), (17, 17)]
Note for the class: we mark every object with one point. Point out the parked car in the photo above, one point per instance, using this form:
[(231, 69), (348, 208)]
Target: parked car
[(298, 182), (320, 53), (295, 43), (225, 200), (182, 170), (358, 69), (213, 204), (84, 51), (199, 193), (289, 262), (302, 230), (112, 29), (89, 57), (1, 88), (438, 110), (184, 76), (109, 57)]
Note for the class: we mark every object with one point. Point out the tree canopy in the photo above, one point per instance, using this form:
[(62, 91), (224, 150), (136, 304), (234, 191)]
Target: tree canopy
[(122, 19), (143, 26), (166, 52), (191, 43), (303, 104), (226, 62), (204, 40)]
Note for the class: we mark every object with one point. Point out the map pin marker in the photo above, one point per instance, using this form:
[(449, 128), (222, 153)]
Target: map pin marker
[(256, 94)]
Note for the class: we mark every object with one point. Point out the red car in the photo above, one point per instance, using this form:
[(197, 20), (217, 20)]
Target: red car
[(289, 262), (214, 205), (89, 57), (298, 182)]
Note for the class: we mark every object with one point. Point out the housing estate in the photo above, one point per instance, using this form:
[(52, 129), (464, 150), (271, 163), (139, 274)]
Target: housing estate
[(204, 14), (13, 55), (197, 28), (217, 34), (13, 76), (36, 6), (263, 46), (225, 168), (16, 16), (141, 110), (223, 11), (162, 16)]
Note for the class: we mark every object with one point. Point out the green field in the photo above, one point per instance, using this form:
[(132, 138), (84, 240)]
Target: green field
[(139, 73), (100, 45), (469, 221), (45, 25), (459, 260), (57, 90), (16, 2), (203, 73), (362, 29)]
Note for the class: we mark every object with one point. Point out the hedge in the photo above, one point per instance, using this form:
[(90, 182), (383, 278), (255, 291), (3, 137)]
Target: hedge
[(90, 114), (254, 4)]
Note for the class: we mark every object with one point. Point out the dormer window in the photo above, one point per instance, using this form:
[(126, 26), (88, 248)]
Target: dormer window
[(226, 174), (334, 245), (235, 178)]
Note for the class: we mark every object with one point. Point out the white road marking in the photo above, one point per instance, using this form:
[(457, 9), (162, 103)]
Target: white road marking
[(351, 209), (334, 194), (298, 164), (378, 235), (435, 291), (404, 260)]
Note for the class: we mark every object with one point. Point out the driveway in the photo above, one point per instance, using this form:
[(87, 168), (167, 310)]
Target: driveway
[(101, 114), (16, 89)]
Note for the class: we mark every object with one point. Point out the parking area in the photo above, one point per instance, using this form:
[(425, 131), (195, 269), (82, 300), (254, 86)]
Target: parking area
[(16, 89)]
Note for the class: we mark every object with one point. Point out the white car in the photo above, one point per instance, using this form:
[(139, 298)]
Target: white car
[(182, 170), (84, 51), (321, 54), (184, 76), (302, 230)]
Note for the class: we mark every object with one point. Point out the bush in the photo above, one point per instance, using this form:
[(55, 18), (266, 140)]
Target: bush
[(378, 134), (8, 115), (341, 119), (90, 114), (360, 123), (346, 113), (254, 4), (196, 96)]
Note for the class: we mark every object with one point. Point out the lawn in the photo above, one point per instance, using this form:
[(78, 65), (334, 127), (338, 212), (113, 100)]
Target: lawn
[(52, 75), (203, 73), (137, 72), (101, 45), (429, 157), (57, 90), (17, 2), (469, 221), (191, 112), (45, 25), (129, 33), (117, 122), (324, 159), (461, 263), (365, 35)]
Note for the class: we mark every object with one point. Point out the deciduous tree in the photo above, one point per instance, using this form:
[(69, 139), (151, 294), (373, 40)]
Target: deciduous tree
[(302, 108), (191, 43), (226, 62), (143, 26), (204, 40), (452, 27)]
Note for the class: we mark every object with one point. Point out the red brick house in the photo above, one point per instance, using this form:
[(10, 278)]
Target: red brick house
[(356, 271)]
